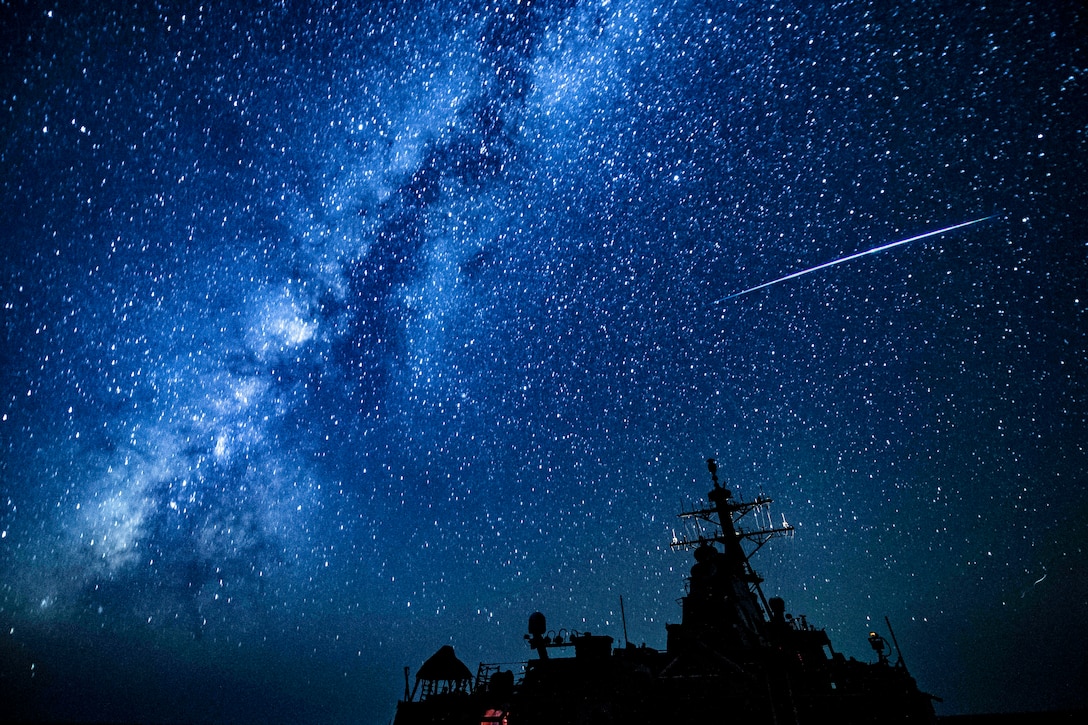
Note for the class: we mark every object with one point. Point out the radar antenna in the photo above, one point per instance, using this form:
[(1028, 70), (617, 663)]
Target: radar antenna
[(727, 519)]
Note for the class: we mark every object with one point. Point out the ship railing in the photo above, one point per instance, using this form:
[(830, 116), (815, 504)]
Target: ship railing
[(487, 670)]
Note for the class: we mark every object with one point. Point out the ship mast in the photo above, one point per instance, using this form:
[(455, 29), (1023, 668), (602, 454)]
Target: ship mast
[(740, 543)]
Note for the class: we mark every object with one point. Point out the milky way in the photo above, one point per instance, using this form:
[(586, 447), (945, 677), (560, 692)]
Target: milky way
[(335, 334)]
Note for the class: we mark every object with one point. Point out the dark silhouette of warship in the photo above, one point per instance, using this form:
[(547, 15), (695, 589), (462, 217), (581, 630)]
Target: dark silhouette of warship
[(735, 656)]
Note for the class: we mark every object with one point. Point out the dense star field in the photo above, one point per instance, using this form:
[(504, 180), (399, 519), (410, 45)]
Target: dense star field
[(337, 332)]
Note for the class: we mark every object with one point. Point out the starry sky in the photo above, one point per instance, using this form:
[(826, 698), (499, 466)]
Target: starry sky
[(336, 332)]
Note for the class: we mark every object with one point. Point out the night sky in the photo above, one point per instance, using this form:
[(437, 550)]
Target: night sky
[(337, 332)]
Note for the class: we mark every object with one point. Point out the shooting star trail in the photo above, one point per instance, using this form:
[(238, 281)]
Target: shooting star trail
[(851, 257)]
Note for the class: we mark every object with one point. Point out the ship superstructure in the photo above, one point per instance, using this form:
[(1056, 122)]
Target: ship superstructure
[(735, 656)]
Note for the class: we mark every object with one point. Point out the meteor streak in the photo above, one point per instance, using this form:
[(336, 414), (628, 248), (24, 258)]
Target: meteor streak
[(833, 262)]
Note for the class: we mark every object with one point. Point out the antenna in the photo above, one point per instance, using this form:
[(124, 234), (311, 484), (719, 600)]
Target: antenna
[(898, 652), (623, 616)]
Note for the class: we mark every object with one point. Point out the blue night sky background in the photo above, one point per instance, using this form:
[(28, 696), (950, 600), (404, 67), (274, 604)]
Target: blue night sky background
[(337, 332)]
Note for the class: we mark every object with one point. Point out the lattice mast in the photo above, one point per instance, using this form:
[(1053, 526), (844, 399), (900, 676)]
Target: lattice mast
[(724, 588)]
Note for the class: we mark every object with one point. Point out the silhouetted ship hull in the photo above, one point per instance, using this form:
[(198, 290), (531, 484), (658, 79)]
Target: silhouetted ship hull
[(734, 657)]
